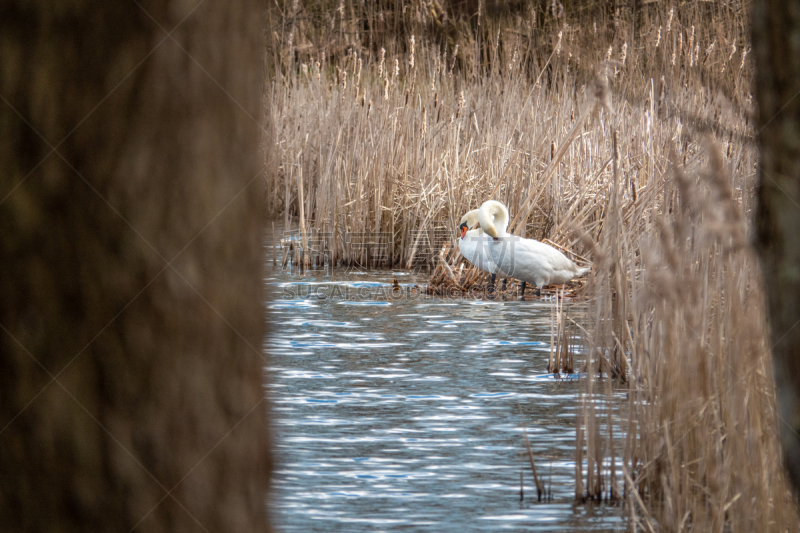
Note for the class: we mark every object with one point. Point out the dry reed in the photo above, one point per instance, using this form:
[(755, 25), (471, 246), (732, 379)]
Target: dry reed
[(436, 141), (701, 451)]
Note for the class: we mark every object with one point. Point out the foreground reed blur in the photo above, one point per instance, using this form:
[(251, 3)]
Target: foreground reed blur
[(682, 302), (623, 138)]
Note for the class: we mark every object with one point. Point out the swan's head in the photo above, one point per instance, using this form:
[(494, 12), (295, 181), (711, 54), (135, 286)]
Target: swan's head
[(468, 221), (493, 218)]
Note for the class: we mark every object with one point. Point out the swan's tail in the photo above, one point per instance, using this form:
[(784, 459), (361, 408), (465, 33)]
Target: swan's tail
[(584, 271)]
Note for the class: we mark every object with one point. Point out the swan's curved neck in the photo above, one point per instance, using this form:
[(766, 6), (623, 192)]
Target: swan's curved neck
[(471, 218), (493, 217)]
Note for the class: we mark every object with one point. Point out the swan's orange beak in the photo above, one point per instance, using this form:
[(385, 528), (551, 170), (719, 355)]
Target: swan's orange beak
[(463, 228)]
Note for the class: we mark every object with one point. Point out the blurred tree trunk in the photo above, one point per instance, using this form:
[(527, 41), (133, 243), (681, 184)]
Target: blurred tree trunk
[(131, 320), (776, 53)]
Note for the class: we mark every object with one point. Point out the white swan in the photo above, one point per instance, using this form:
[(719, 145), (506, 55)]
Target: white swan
[(474, 246), (527, 260)]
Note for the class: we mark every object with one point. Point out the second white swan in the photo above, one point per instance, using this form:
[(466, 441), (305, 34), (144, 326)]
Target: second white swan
[(528, 260)]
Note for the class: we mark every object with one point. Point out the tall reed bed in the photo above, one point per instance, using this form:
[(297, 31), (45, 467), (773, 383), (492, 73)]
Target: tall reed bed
[(683, 304), (391, 145)]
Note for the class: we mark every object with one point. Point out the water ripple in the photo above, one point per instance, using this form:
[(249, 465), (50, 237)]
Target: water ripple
[(407, 414)]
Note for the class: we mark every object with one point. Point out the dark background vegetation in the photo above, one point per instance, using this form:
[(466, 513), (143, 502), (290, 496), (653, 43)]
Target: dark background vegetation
[(490, 30)]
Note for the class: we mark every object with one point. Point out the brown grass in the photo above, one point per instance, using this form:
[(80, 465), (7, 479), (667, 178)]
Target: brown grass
[(400, 149), (684, 304)]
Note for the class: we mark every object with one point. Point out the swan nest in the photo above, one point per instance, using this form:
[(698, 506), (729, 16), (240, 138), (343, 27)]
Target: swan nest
[(474, 284)]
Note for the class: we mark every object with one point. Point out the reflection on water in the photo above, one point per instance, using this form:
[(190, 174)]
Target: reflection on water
[(401, 412)]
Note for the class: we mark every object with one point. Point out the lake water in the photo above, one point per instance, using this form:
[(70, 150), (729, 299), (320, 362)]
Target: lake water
[(400, 412)]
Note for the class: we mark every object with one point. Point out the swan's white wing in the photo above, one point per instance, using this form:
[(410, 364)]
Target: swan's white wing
[(475, 249), (532, 261)]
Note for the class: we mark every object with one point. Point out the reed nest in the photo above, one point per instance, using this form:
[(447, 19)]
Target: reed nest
[(454, 276)]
